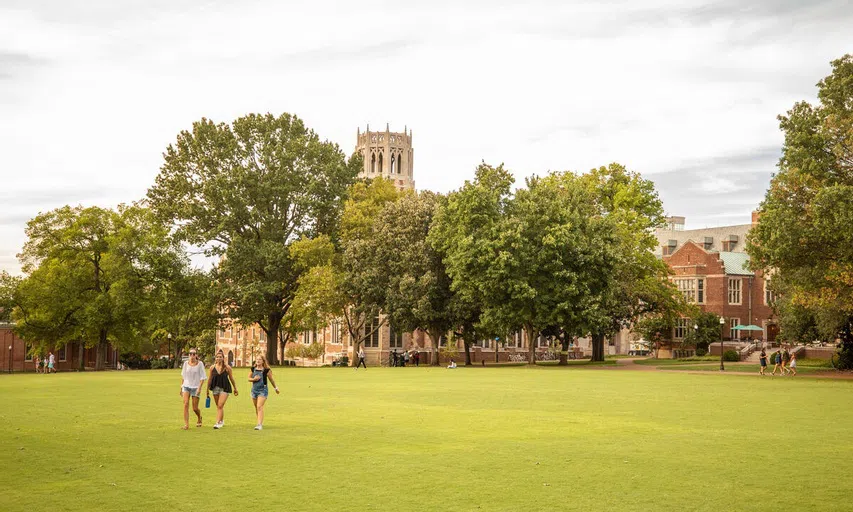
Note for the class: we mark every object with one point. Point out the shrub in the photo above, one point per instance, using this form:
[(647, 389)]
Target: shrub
[(701, 352), (134, 361), (731, 355), (160, 363)]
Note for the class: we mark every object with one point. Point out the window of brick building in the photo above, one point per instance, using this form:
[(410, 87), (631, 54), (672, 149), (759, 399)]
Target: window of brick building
[(700, 291), (372, 327), (395, 338), (61, 353), (769, 295), (732, 323), (28, 352), (734, 290), (681, 328), (687, 287)]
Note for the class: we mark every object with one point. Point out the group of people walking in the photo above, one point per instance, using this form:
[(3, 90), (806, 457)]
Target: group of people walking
[(46, 365), (221, 383), (783, 361)]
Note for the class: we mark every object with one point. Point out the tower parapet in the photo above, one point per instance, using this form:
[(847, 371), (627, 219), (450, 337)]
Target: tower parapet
[(387, 154)]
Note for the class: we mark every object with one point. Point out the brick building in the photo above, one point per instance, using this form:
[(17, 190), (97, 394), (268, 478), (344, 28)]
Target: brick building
[(711, 269), (17, 355)]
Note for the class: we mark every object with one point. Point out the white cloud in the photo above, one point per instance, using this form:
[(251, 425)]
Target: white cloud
[(92, 92)]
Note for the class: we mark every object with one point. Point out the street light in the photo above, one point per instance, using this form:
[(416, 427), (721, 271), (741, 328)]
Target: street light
[(695, 335), (10, 358), (722, 323)]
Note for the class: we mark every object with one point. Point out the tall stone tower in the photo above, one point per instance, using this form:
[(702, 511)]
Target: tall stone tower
[(388, 154)]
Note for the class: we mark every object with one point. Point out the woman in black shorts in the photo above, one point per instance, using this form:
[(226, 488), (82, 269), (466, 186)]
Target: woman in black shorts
[(221, 381), (762, 358)]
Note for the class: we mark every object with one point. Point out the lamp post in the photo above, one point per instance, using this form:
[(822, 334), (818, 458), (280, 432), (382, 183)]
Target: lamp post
[(169, 337), (722, 323), (695, 335), (10, 358)]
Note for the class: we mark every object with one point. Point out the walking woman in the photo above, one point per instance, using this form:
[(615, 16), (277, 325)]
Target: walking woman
[(762, 358), (792, 365), (777, 361), (192, 375), (361, 358), (222, 382), (260, 373)]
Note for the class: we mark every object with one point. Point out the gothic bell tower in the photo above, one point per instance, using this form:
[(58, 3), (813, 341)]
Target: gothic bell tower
[(387, 154)]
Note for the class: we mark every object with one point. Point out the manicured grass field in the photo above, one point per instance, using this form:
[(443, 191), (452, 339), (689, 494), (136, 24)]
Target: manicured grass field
[(513, 438)]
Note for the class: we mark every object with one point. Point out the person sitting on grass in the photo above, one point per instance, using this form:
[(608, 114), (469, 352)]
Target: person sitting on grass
[(260, 373), (192, 375), (451, 365), (792, 365)]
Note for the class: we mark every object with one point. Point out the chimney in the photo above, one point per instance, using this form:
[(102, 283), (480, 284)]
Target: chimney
[(755, 215)]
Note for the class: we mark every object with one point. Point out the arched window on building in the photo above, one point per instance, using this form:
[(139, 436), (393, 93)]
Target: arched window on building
[(399, 164), (230, 358), (393, 164), (380, 162), (373, 162)]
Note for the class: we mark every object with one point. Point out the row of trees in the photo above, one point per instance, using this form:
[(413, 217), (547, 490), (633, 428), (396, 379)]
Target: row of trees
[(97, 275), (300, 241)]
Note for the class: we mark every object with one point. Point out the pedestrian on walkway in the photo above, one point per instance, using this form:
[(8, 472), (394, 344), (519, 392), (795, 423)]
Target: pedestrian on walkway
[(777, 361), (786, 358), (51, 363), (792, 366), (361, 358), (762, 358), (37, 361)]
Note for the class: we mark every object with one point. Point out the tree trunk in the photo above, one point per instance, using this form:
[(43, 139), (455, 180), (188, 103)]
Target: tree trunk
[(81, 353), (179, 355), (467, 352), (598, 347), (100, 350), (273, 323), (564, 356), (533, 338)]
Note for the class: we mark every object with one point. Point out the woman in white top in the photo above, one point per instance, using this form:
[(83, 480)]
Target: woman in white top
[(192, 375)]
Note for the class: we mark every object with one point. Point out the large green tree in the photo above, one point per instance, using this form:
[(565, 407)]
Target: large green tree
[(635, 281), (418, 294), (463, 232), (805, 228), (90, 273), (343, 280), (246, 192)]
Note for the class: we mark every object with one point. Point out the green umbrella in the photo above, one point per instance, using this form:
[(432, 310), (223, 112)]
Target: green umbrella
[(747, 328)]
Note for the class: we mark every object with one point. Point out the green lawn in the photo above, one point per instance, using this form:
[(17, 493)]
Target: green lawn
[(513, 438)]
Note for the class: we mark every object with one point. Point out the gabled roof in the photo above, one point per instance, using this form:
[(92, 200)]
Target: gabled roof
[(736, 263)]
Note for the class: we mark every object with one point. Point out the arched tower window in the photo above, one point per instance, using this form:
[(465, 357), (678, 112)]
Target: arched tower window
[(373, 162), (393, 164), (399, 164), (380, 162), (230, 358)]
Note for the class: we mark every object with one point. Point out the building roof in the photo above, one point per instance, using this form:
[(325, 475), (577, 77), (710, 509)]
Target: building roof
[(736, 263), (698, 236)]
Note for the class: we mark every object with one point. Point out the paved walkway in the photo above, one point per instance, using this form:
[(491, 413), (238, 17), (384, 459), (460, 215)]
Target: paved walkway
[(627, 364)]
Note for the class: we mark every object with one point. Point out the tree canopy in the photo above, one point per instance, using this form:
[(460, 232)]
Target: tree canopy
[(805, 227), (246, 192)]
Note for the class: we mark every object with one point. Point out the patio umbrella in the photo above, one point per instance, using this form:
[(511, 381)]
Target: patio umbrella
[(747, 328)]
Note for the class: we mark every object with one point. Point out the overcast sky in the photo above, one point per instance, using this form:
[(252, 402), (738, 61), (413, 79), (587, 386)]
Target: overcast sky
[(91, 92)]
